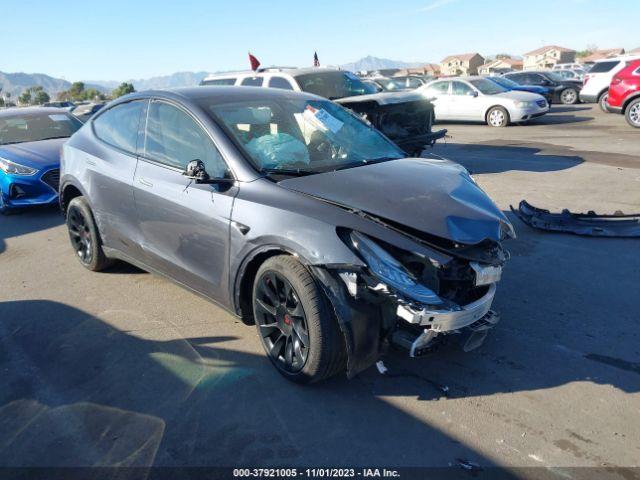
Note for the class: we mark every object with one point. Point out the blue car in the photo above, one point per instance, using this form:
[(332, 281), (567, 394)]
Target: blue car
[(30, 142), (504, 82)]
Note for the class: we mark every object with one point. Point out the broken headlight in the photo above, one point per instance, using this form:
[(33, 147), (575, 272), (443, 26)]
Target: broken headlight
[(390, 271)]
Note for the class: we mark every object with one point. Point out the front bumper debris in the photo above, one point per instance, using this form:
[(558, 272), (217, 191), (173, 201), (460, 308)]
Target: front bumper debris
[(617, 225), (448, 319)]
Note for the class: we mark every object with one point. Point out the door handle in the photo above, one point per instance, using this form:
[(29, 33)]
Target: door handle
[(145, 182)]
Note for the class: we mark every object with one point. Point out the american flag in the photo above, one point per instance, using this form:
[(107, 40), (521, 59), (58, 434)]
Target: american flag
[(316, 62)]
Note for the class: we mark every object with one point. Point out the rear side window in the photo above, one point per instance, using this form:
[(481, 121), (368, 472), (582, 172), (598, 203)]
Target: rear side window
[(220, 81), (174, 138), (252, 82), (603, 67), (516, 77), (118, 126), (280, 82)]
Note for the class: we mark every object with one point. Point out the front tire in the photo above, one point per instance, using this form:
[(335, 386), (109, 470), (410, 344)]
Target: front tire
[(632, 113), (569, 96), (497, 117), (297, 330), (602, 101), (84, 236)]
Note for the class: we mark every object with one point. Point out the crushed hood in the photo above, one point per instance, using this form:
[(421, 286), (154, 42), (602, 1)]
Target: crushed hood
[(43, 153), (436, 197)]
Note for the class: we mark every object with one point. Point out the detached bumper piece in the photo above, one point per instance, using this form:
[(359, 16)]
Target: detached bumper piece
[(590, 224), (474, 320)]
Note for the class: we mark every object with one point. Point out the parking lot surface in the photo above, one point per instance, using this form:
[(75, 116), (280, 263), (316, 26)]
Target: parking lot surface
[(126, 368)]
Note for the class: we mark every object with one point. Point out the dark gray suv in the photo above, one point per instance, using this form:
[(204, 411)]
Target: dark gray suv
[(292, 213)]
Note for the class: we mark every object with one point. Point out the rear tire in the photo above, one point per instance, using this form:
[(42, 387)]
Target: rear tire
[(497, 117), (84, 236), (632, 113), (569, 96), (602, 101), (297, 329)]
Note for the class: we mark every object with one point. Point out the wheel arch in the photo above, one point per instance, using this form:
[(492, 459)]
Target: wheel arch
[(68, 191), (246, 274), (627, 101)]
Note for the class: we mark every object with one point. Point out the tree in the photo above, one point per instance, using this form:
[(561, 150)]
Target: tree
[(41, 97), (122, 89), (25, 98), (76, 90)]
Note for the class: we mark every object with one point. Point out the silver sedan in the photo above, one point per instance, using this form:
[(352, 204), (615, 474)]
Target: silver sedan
[(481, 100)]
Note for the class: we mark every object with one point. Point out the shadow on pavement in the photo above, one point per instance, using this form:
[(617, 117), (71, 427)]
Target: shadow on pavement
[(27, 221), (478, 158), (78, 392)]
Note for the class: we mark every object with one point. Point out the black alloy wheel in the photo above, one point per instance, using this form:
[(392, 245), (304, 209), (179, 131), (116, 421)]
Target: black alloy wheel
[(80, 235), (281, 321)]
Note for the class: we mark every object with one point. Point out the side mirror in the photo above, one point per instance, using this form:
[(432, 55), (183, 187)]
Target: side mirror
[(472, 93), (196, 171)]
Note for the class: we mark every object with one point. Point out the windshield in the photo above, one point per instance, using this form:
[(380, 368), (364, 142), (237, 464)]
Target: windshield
[(333, 84), (300, 136), (487, 87), (505, 82), (32, 127)]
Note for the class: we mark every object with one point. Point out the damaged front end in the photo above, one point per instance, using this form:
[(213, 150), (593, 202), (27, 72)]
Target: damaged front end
[(411, 300), (408, 123)]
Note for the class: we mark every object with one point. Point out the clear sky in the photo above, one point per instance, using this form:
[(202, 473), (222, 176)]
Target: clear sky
[(122, 39)]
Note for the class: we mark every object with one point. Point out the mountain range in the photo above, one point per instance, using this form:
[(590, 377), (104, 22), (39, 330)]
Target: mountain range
[(16, 83)]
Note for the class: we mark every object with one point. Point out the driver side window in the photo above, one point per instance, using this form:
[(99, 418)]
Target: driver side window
[(174, 138)]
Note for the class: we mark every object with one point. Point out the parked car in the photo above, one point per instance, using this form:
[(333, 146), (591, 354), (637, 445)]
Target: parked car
[(511, 85), (570, 74), (405, 117), (66, 105), (281, 220), (624, 93), (598, 78), (567, 66), (384, 84), (409, 82), (86, 111), (481, 100), (564, 91), (30, 140)]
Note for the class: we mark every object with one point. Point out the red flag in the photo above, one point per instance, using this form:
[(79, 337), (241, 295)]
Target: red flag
[(255, 63)]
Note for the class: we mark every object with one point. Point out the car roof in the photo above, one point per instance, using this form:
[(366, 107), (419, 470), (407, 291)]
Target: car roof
[(222, 94), (30, 111), (293, 71)]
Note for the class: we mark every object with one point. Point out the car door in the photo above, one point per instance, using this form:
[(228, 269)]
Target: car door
[(438, 93), (184, 225), (110, 168), (465, 102)]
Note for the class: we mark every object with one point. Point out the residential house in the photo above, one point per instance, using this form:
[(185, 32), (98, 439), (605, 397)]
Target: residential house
[(546, 57), (601, 54), (427, 69), (500, 65), (464, 64), (635, 51)]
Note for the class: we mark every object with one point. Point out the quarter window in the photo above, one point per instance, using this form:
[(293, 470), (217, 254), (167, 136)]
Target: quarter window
[(118, 126), (174, 138), (603, 67), (252, 82), (280, 82)]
